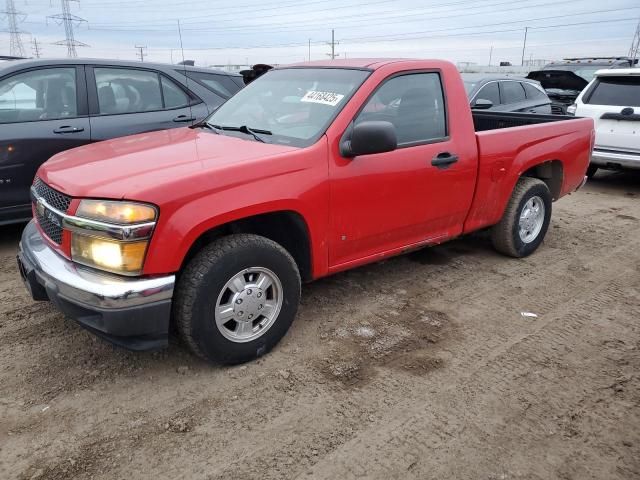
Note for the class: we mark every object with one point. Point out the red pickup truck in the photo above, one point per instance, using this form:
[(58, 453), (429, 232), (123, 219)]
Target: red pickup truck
[(310, 170)]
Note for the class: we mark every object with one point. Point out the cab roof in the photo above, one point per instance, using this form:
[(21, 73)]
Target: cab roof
[(368, 63)]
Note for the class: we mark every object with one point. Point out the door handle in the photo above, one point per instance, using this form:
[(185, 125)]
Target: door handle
[(68, 129), (444, 160), (183, 118)]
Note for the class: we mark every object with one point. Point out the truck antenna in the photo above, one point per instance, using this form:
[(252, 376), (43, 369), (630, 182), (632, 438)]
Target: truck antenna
[(184, 66)]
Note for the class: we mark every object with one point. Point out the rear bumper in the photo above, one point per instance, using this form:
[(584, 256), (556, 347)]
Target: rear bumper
[(130, 312), (615, 159)]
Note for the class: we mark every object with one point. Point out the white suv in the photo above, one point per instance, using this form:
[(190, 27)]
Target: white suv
[(612, 99)]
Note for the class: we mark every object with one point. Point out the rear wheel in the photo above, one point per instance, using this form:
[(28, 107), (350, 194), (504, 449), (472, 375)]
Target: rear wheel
[(525, 220), (237, 298)]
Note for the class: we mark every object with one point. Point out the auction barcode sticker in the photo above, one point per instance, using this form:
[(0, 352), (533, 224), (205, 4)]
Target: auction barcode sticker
[(326, 98)]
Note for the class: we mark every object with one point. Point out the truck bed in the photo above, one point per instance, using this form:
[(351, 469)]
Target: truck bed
[(483, 121), (505, 154)]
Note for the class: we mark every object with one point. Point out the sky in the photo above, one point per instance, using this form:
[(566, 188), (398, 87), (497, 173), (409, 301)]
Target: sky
[(279, 32)]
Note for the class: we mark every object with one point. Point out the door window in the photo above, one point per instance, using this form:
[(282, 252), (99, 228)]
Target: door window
[(532, 92), (413, 104), (512, 92), (218, 84), (490, 92), (174, 96), (44, 94), (123, 90)]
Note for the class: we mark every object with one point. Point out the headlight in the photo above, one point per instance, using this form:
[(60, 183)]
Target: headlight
[(118, 243), (571, 109), (122, 213), (111, 255)]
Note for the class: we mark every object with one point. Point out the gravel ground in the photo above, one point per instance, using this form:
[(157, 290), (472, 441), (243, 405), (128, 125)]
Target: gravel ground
[(420, 367)]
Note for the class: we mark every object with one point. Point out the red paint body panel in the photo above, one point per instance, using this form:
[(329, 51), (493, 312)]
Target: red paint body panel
[(356, 210), (506, 154)]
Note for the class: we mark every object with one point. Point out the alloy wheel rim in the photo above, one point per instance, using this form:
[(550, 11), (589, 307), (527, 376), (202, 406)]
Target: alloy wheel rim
[(531, 219), (248, 304)]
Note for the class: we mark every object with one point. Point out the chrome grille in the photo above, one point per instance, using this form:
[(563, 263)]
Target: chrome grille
[(558, 109), (57, 200)]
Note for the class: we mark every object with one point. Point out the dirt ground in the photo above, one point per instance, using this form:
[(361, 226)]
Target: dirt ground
[(418, 367)]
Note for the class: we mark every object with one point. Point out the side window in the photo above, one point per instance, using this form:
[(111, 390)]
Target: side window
[(512, 92), (44, 94), (413, 103), (174, 96), (532, 92), (124, 90), (490, 92), (218, 84)]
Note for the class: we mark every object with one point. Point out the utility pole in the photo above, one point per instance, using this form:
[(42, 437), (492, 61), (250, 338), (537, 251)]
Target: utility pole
[(524, 44), (634, 51), (490, 55), (67, 19), (141, 53), (333, 44), (35, 48), (16, 48)]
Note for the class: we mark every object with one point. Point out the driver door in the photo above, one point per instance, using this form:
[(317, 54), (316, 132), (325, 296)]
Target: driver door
[(381, 203)]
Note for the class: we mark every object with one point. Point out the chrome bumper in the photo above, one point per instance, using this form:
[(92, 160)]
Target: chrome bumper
[(606, 158), (110, 305)]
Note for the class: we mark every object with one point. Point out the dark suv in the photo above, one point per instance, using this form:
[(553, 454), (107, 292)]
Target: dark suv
[(564, 80), (47, 106)]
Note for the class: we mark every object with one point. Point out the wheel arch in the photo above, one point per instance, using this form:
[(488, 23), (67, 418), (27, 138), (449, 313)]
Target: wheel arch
[(288, 228), (550, 172)]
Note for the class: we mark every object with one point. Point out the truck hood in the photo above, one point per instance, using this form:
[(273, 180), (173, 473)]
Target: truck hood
[(124, 167), (558, 79)]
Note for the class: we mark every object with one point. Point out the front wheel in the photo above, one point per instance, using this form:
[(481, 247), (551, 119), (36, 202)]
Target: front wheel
[(526, 219), (237, 298), (592, 170)]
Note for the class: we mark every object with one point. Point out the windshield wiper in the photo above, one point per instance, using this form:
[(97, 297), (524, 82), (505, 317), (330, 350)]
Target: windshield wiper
[(204, 124), (255, 133)]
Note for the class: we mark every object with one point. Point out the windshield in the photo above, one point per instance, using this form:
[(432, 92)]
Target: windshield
[(585, 71), (294, 105)]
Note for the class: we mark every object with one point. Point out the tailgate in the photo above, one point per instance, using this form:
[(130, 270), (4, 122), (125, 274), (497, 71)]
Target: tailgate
[(614, 105), (614, 129)]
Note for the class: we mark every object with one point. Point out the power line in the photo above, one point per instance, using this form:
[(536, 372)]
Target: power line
[(68, 20), (234, 14), (16, 48)]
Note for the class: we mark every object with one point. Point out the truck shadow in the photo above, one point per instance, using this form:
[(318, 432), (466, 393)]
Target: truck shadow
[(10, 236), (615, 183)]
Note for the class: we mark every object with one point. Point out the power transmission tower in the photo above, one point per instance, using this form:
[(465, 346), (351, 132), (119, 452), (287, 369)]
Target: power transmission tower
[(16, 48), (634, 51), (333, 44), (142, 52), (35, 48), (67, 19)]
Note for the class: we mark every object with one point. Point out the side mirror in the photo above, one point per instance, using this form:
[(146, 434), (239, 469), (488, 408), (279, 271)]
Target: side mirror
[(482, 104), (370, 137)]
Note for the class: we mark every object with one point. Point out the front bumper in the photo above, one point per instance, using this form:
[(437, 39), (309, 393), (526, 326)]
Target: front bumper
[(615, 159), (131, 312)]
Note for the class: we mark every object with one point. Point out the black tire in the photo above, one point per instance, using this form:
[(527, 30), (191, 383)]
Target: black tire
[(591, 171), (203, 280), (505, 236)]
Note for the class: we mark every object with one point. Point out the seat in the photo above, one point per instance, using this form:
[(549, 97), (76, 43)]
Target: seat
[(418, 117), (107, 99), (53, 101)]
